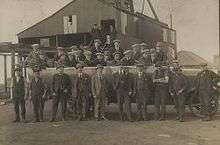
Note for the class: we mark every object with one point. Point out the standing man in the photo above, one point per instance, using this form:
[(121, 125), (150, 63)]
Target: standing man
[(36, 94), (205, 86), (89, 62), (178, 88), (61, 87), (160, 80), (99, 92), (124, 87), (160, 55), (142, 91), (83, 92), (19, 95)]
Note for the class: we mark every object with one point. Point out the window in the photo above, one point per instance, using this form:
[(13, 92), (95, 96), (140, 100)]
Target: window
[(45, 42), (124, 22), (70, 24)]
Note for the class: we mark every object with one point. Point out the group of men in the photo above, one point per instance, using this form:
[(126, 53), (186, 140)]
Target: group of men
[(92, 92)]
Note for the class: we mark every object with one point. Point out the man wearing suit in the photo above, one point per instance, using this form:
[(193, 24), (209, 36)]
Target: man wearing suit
[(19, 95), (142, 91), (99, 92), (161, 91), (61, 87), (36, 94), (178, 88), (83, 92), (123, 85), (206, 81)]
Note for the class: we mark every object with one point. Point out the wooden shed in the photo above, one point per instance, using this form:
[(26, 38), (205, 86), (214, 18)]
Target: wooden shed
[(71, 25)]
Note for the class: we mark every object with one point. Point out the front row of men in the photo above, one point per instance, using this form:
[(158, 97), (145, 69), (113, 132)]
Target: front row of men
[(127, 86)]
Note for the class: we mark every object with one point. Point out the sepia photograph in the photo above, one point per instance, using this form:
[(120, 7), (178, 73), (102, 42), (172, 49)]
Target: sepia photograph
[(109, 72)]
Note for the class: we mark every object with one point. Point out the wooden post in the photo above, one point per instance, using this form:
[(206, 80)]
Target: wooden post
[(12, 69), (57, 41), (5, 74)]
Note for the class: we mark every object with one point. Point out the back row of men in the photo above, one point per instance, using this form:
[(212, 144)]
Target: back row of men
[(92, 92), (109, 54)]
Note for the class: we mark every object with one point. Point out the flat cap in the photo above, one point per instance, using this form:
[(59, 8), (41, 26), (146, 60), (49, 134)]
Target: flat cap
[(87, 53), (116, 41), (60, 48), (99, 66), (35, 45), (74, 47), (99, 54), (135, 45), (36, 68), (97, 40), (128, 52), (160, 44)]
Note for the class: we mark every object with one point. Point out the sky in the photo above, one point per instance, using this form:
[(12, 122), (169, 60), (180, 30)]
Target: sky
[(196, 21)]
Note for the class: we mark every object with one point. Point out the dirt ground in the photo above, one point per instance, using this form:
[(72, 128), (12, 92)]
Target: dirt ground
[(112, 132)]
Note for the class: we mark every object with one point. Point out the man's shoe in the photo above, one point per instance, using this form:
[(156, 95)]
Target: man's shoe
[(104, 118), (52, 120), (181, 120), (206, 119), (16, 120)]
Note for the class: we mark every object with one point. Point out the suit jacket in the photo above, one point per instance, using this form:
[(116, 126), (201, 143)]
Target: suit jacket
[(37, 88), (99, 85), (82, 86), (123, 82), (19, 88), (142, 83), (60, 83), (177, 82)]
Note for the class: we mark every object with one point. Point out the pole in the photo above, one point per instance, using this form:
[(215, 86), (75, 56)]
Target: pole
[(171, 21), (143, 4), (152, 9), (5, 74), (12, 70)]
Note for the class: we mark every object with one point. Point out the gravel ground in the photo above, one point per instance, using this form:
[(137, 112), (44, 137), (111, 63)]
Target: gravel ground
[(112, 132)]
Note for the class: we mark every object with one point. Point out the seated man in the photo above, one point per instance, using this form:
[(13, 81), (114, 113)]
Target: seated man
[(108, 46), (117, 59), (96, 48), (100, 59), (34, 57), (89, 62), (117, 46), (108, 58), (62, 57)]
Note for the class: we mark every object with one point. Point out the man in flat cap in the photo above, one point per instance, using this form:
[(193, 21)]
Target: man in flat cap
[(123, 84), (19, 92), (161, 91), (136, 48), (108, 46), (100, 59), (89, 62), (62, 57), (146, 58), (117, 59), (99, 92), (96, 48), (128, 60), (142, 90), (178, 87), (206, 81), (108, 58), (117, 46), (82, 92), (36, 93), (34, 57), (61, 87), (160, 55)]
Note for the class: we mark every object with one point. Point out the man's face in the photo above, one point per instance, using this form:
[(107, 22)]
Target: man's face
[(60, 70), (36, 74), (108, 39), (117, 45), (99, 70), (97, 44), (35, 47), (18, 73), (140, 69), (158, 49), (95, 26), (100, 57), (204, 68), (80, 70), (117, 57), (107, 57)]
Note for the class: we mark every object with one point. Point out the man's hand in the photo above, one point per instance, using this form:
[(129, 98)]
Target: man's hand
[(54, 94), (94, 96), (129, 93), (65, 91)]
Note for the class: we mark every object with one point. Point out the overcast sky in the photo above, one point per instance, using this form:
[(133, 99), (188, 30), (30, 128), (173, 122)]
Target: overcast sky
[(196, 21)]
